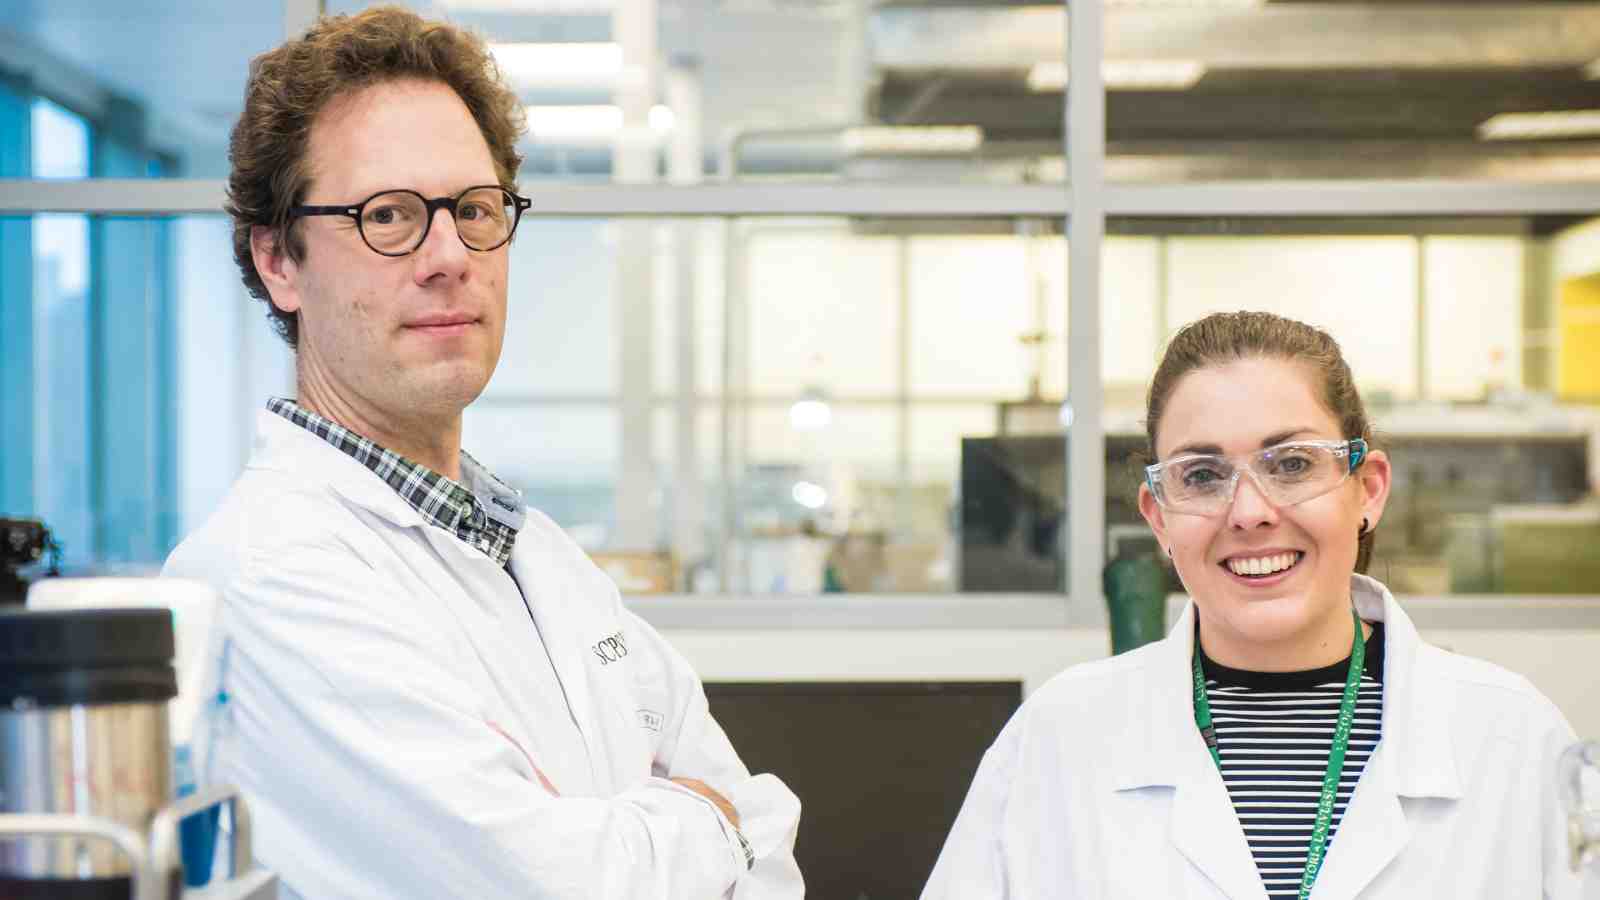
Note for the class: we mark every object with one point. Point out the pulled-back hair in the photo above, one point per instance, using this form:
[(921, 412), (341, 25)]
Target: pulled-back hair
[(1222, 338), (269, 149)]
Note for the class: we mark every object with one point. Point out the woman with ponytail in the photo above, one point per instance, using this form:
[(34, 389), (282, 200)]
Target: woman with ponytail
[(1293, 736)]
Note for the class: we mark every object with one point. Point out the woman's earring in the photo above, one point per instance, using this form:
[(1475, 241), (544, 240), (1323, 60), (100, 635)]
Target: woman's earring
[(1169, 553), (1364, 528)]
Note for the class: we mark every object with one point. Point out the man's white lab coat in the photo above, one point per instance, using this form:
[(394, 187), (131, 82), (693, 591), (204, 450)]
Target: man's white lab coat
[(1101, 787), (382, 698)]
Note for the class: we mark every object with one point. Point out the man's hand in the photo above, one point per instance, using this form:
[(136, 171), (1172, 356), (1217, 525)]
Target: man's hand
[(710, 793)]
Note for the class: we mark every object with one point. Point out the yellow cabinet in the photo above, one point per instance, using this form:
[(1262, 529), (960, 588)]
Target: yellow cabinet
[(1579, 317)]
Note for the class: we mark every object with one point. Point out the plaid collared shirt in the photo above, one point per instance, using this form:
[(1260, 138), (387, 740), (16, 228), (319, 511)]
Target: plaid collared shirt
[(444, 503)]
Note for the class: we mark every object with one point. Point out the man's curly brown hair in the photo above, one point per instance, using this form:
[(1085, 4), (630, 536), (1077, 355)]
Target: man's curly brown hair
[(289, 86)]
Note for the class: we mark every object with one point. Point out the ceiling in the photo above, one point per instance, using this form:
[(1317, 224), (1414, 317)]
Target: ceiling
[(1308, 89)]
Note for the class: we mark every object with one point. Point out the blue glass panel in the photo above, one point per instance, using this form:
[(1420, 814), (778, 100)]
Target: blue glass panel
[(131, 346), (16, 317)]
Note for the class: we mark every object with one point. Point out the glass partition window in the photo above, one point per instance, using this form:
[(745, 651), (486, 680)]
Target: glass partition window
[(761, 89), (1215, 91), (164, 78), (1449, 329), (945, 93), (797, 427), (805, 404)]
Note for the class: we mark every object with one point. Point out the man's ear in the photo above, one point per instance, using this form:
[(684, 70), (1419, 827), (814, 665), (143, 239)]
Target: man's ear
[(278, 272)]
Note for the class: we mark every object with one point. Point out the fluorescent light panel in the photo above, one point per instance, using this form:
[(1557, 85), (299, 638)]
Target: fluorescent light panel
[(587, 123), (542, 7), (1532, 126), (1124, 74), (559, 65), (917, 140), (1195, 4)]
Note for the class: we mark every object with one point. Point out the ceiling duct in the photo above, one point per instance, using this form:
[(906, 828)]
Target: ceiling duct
[(1300, 36)]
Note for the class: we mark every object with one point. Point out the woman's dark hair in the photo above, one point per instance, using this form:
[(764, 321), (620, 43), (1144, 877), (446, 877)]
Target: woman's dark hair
[(289, 86), (1222, 338)]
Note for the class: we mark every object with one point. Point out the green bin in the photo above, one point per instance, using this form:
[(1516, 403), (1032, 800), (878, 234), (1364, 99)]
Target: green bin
[(1136, 597)]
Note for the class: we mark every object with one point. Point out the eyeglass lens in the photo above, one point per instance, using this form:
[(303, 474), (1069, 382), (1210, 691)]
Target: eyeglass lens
[(394, 222), (1288, 475)]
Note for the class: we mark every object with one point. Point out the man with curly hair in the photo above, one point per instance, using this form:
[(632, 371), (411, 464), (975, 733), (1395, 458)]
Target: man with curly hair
[(423, 687)]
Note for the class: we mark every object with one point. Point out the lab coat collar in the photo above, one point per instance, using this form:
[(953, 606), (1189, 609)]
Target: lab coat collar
[(1416, 714), (1416, 722), (281, 445), (1168, 752), (1414, 758)]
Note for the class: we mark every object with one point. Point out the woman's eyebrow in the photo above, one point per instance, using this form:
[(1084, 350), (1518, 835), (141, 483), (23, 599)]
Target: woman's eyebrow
[(1204, 449), (1282, 436), (1268, 441)]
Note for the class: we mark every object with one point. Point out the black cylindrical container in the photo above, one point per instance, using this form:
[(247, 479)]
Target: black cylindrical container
[(83, 732)]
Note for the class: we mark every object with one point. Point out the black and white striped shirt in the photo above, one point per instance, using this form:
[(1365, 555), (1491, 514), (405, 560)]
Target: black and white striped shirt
[(1273, 733)]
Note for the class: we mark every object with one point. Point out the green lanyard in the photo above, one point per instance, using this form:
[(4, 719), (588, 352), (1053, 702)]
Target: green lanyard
[(1341, 742)]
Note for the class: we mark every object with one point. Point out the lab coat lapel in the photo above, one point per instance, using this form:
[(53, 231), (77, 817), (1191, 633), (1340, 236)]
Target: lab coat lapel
[(1204, 827), (1372, 833), (1414, 757), (500, 636), (1206, 831), (542, 581)]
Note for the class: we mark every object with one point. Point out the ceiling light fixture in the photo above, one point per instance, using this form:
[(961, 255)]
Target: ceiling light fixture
[(809, 494), (1533, 126), (525, 7), (587, 124), (1123, 75), (811, 411), (1198, 4), (911, 139), (559, 65)]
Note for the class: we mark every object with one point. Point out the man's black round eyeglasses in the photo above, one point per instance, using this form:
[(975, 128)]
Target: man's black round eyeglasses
[(395, 223)]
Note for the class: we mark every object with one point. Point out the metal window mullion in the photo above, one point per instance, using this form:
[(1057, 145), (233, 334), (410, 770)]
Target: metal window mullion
[(178, 196), (1086, 222), (1370, 198), (1420, 302), (1279, 199)]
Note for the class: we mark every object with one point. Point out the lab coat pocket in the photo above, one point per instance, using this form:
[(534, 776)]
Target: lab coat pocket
[(1132, 847), (622, 666)]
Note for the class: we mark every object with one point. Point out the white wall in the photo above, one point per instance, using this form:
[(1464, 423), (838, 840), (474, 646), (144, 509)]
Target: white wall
[(1576, 251), (1565, 665), (1474, 287)]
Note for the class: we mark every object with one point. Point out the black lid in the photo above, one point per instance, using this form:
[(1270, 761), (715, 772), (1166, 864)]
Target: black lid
[(59, 657)]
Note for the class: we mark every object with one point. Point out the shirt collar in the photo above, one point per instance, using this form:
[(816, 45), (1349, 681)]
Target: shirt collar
[(484, 511)]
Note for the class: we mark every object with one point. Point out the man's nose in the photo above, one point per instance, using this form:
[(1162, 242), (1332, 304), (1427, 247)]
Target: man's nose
[(442, 252)]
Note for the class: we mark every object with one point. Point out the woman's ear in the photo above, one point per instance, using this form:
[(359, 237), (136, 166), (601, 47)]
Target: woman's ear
[(1375, 478), (1151, 510)]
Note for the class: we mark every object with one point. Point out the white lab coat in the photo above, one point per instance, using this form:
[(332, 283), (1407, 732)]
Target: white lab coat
[(385, 718), (1101, 787)]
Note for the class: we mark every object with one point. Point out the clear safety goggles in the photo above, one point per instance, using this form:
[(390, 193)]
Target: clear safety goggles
[(1203, 484)]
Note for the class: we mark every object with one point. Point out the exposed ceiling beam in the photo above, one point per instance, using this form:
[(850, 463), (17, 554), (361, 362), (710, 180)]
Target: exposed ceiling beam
[(1271, 112), (1309, 36)]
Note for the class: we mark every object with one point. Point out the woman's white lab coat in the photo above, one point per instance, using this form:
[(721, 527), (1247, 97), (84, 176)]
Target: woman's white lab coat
[(392, 720), (1101, 787)]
